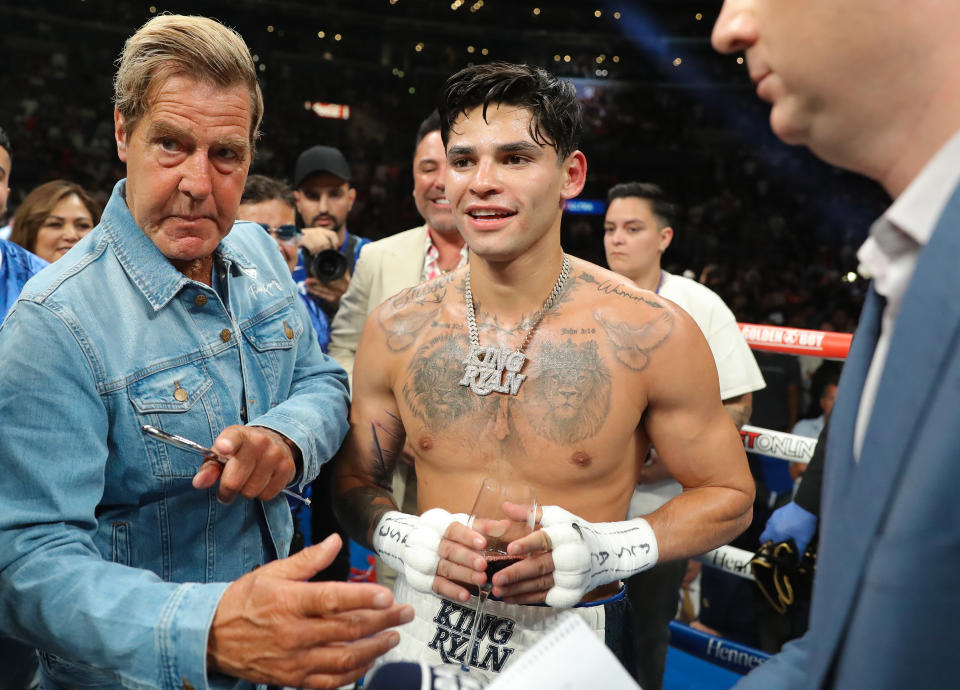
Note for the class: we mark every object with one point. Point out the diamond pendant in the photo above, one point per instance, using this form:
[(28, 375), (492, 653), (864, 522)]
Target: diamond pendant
[(493, 370)]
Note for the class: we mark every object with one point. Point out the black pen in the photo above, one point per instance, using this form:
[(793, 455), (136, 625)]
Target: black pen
[(193, 447)]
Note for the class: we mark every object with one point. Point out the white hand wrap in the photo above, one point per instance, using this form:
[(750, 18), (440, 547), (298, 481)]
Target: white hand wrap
[(409, 544), (587, 555)]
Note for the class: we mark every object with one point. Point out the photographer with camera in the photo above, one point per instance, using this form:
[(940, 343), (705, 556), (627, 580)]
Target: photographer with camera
[(324, 197)]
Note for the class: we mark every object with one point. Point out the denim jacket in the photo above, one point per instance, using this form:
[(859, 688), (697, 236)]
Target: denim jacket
[(111, 563), (17, 266)]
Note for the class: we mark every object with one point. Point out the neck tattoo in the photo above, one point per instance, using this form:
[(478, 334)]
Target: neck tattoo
[(484, 366)]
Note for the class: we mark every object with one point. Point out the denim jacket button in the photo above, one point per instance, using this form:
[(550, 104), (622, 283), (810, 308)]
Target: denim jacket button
[(187, 685), (200, 300), (225, 335), (287, 331)]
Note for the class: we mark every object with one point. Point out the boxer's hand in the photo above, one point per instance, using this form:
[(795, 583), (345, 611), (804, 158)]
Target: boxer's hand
[(433, 551), (259, 464), (272, 626), (576, 557)]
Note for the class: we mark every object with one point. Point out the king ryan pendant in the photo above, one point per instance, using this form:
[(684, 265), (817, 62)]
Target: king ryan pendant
[(490, 369)]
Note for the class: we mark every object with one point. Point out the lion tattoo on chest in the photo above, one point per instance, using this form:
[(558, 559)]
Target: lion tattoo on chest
[(568, 397)]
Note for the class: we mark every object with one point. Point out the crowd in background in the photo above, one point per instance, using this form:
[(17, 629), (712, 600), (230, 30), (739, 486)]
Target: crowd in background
[(756, 226)]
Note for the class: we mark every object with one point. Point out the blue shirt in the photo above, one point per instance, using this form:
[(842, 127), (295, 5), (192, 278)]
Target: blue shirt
[(17, 266), (321, 324), (110, 561)]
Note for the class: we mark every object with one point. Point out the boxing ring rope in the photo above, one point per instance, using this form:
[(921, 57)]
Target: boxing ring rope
[(796, 341), (775, 444), (736, 657)]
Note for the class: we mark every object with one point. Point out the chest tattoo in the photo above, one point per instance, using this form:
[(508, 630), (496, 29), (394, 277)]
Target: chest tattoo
[(431, 389), (569, 395)]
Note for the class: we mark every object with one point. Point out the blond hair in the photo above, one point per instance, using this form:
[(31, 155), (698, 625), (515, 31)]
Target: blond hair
[(196, 47)]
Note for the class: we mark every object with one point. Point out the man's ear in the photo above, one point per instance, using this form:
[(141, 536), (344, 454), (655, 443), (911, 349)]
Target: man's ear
[(666, 237), (120, 133), (352, 194), (574, 175)]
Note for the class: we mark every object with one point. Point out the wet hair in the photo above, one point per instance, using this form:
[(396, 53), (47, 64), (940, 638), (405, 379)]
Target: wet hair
[(664, 209), (429, 125), (260, 188), (556, 117), (176, 45), (40, 203)]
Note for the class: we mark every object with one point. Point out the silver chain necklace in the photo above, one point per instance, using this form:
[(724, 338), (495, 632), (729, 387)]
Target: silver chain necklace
[(494, 369)]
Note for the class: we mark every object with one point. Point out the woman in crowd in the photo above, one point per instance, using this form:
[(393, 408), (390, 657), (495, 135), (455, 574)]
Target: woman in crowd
[(53, 218)]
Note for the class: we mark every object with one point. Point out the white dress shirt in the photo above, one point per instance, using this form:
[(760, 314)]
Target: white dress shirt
[(890, 254)]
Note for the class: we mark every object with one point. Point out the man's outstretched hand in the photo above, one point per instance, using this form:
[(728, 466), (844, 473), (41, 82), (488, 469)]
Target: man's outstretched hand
[(273, 626)]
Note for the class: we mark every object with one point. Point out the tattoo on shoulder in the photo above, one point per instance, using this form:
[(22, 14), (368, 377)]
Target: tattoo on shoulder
[(430, 292), (411, 310), (569, 395), (432, 389), (633, 344), (608, 287)]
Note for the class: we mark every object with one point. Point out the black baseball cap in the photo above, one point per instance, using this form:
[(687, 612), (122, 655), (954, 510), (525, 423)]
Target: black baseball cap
[(319, 159)]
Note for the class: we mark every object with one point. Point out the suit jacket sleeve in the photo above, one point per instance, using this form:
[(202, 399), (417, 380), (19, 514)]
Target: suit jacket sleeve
[(352, 314), (784, 671), (808, 495)]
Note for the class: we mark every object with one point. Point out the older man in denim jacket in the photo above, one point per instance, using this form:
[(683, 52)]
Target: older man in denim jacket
[(123, 560)]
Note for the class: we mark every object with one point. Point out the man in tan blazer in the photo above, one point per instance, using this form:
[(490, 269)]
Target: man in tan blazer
[(403, 260), (395, 263)]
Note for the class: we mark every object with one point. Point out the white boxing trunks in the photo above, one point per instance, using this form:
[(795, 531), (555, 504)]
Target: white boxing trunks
[(440, 630)]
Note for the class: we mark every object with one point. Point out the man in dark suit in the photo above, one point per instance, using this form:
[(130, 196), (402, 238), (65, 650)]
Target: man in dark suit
[(874, 86)]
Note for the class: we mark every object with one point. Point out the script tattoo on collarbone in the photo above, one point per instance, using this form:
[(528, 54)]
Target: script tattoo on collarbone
[(569, 392), (432, 389), (412, 309), (609, 287)]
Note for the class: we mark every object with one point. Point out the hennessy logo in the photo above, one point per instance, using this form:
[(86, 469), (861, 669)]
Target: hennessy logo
[(493, 370), (452, 636)]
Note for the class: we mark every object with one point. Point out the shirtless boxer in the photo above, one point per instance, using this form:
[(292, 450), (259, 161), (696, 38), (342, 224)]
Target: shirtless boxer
[(605, 370)]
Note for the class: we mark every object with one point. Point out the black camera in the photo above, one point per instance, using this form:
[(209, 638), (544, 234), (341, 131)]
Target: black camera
[(326, 266)]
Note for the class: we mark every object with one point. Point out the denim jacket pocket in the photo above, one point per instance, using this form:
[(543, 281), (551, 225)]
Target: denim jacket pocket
[(274, 331), (174, 399), (271, 336)]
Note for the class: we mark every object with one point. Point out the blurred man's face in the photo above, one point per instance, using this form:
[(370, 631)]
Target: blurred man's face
[(632, 237), (273, 213), (4, 179), (324, 201), (429, 168), (187, 161), (825, 66)]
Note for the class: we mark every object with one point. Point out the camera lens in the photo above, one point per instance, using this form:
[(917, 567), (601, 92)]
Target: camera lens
[(327, 266)]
